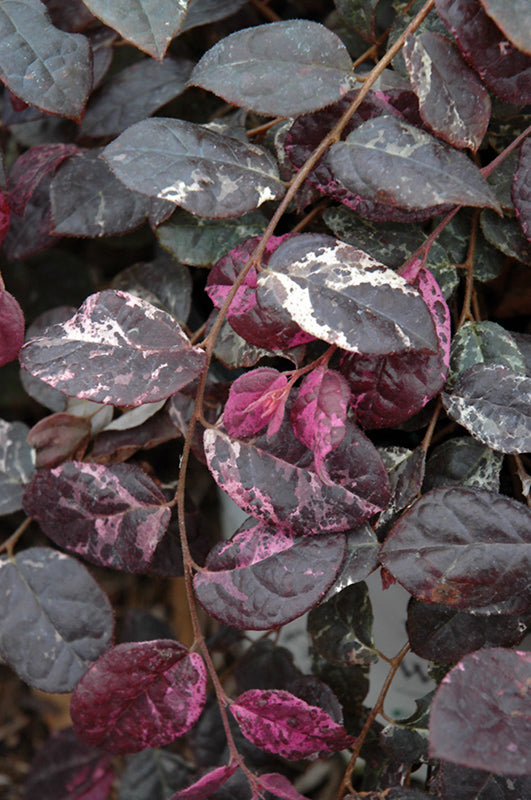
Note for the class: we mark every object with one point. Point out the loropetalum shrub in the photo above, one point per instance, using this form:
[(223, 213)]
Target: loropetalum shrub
[(323, 211)]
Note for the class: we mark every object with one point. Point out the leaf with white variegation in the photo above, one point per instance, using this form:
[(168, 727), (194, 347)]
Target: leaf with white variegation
[(116, 349), (16, 465)]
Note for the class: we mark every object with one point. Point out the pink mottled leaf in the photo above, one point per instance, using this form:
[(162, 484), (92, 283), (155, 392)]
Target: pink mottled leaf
[(139, 695), (279, 786), (255, 400), (30, 168), (318, 414), (274, 479), (264, 577), (207, 784), (245, 314), (11, 328), (116, 349), (113, 516), (281, 723)]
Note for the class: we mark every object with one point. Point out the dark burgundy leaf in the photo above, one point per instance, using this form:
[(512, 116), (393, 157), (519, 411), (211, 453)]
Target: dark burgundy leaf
[(11, 327), (341, 628), (5, 216), (438, 633), (521, 189), (513, 19), (154, 774), (200, 241), (41, 64), (487, 693), (280, 723), (149, 26), (205, 786), (452, 100), (54, 618), (361, 558), (134, 94), (113, 516), (139, 695), (402, 165), (88, 200), (164, 283), (319, 413), (58, 437), (316, 692), (483, 343), (66, 769), (407, 740), (505, 70), (265, 666), (493, 403), (280, 69), (406, 473), (255, 400), (201, 12), (345, 297), (264, 577), (127, 352), (255, 324), (463, 547), (274, 479), (102, 41), (206, 173), (32, 232), (30, 168), (462, 461), (16, 465), (69, 15), (454, 782), (279, 786), (506, 235)]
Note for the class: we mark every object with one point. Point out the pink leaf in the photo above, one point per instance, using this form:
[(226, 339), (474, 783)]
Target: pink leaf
[(318, 414), (205, 786), (255, 400), (11, 328), (280, 786), (281, 723), (139, 695)]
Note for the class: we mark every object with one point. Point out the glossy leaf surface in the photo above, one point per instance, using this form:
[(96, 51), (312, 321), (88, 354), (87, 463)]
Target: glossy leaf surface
[(127, 352), (54, 618), (139, 695), (204, 172), (264, 577), (280, 69), (463, 461), (487, 692), (483, 343), (113, 516)]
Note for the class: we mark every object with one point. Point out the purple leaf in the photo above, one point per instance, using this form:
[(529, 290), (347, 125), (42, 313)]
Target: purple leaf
[(388, 390), (30, 168), (32, 232), (113, 516), (513, 19), (41, 64), (139, 695), (487, 693), (454, 782), (406, 473), (503, 69), (255, 324), (11, 327), (279, 786), (345, 297), (163, 282), (521, 189), (452, 100), (58, 437), (127, 352), (405, 166), (280, 69), (153, 774), (206, 173), (66, 769), (463, 547), (255, 400), (205, 786), (318, 414), (149, 26), (264, 577), (201, 12), (54, 618), (274, 479), (16, 465), (280, 723)]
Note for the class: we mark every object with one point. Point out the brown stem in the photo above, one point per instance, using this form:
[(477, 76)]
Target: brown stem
[(469, 264), (486, 171), (9, 544), (431, 427)]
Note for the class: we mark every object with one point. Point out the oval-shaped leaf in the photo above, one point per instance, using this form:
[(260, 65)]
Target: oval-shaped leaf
[(494, 404), (405, 166), (149, 25), (488, 693), (463, 547), (113, 516), (11, 328), (54, 618), (255, 400), (452, 100), (41, 64), (116, 349), (17, 465), (281, 69), (281, 723), (345, 297), (204, 172), (275, 480), (207, 784), (139, 695), (264, 577)]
